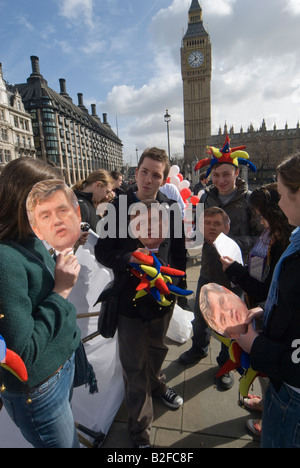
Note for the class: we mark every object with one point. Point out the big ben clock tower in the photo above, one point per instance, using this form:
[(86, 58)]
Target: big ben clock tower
[(196, 75)]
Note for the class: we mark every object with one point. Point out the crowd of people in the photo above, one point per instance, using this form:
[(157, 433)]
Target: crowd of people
[(41, 221)]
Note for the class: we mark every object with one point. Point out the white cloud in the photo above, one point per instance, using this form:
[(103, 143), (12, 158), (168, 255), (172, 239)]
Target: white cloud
[(296, 91), (65, 47), (293, 6), (256, 65), (156, 94), (47, 31), (218, 7), (141, 112), (93, 47), (146, 105), (23, 21), (75, 10), (259, 90)]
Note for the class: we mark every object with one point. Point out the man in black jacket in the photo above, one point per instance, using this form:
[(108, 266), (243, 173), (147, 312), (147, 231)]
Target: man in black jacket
[(143, 323)]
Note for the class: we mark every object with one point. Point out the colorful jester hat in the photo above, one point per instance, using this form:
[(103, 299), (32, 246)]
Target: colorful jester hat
[(239, 360), (12, 362), (226, 155), (155, 279)]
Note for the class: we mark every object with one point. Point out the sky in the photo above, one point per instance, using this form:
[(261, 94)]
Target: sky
[(124, 56)]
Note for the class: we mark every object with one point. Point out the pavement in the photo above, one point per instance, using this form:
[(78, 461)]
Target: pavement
[(209, 418)]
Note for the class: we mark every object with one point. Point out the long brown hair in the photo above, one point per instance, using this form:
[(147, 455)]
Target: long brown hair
[(16, 180), (265, 199), (289, 172), (100, 175)]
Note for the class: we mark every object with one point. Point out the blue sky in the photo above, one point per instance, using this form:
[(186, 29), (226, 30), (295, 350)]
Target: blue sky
[(124, 55)]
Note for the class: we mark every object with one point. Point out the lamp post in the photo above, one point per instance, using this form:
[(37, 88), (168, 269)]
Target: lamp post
[(137, 156), (167, 118)]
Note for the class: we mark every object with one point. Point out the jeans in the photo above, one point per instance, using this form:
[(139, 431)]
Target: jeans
[(281, 418), (142, 353), (48, 421)]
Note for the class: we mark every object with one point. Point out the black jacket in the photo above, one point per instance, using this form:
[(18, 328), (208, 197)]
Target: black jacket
[(272, 353), (115, 253), (257, 291), (87, 209)]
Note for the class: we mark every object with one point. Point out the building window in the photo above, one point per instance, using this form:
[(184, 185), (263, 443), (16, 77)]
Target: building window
[(6, 155), (50, 129), (48, 116), (4, 134)]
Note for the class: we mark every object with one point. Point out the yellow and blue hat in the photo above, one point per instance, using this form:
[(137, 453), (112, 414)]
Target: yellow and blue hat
[(226, 155)]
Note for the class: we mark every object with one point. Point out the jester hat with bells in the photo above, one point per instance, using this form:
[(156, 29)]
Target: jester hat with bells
[(226, 155)]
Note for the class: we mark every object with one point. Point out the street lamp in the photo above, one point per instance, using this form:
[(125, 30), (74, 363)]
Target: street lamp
[(167, 118), (137, 156)]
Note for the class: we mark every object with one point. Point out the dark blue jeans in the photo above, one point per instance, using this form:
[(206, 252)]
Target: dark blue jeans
[(48, 421), (281, 418), (202, 333)]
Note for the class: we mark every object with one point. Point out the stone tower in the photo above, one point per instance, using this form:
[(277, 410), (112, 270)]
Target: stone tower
[(196, 68)]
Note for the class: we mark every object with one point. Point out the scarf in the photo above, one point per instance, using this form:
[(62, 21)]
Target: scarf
[(274, 288)]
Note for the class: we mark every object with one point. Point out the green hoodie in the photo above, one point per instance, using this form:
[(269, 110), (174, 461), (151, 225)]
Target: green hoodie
[(38, 324)]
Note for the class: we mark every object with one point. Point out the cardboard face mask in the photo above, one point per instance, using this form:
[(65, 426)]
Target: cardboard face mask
[(54, 214), (224, 311)]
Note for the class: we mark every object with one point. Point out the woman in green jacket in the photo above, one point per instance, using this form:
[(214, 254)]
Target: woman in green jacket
[(37, 322)]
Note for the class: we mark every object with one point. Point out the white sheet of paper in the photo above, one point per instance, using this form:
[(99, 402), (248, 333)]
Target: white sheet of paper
[(97, 411), (228, 248)]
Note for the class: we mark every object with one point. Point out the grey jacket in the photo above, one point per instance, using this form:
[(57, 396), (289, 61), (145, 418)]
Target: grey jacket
[(243, 223)]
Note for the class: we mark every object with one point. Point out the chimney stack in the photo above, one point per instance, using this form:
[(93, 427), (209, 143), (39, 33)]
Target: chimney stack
[(63, 89), (105, 119), (36, 74), (35, 65), (80, 100), (94, 113), (80, 103)]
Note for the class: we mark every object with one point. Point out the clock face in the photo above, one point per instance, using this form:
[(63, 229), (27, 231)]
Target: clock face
[(196, 59)]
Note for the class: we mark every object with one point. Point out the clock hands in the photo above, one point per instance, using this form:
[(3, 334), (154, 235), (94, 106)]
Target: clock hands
[(196, 59)]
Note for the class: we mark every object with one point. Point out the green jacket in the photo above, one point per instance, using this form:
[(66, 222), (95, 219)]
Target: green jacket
[(39, 325)]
